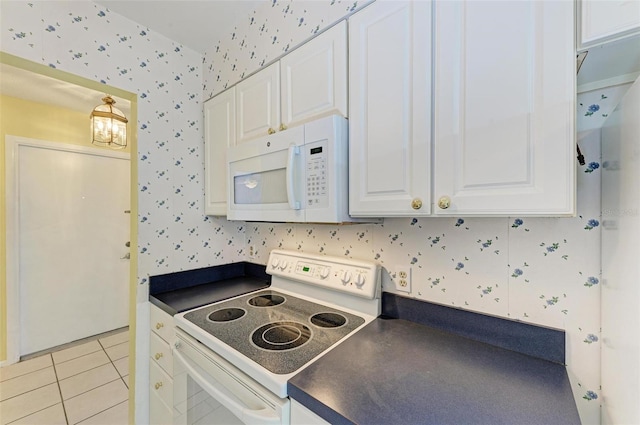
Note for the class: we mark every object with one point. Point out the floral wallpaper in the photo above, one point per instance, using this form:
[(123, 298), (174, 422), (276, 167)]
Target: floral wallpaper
[(86, 39), (544, 271), (540, 270), (266, 34), (595, 106)]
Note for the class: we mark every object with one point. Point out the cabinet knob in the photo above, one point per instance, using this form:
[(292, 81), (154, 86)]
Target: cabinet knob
[(416, 204), (158, 356), (271, 130), (159, 325), (283, 127), (444, 202), (158, 385)]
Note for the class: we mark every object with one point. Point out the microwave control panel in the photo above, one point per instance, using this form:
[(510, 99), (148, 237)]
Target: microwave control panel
[(316, 171)]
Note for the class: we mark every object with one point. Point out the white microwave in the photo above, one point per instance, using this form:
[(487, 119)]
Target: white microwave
[(297, 175)]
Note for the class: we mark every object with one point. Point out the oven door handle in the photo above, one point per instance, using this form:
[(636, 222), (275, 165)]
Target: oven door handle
[(264, 416)]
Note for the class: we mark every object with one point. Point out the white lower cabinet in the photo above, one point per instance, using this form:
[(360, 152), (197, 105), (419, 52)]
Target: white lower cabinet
[(161, 367), (159, 414), (161, 384), (161, 352), (300, 415)]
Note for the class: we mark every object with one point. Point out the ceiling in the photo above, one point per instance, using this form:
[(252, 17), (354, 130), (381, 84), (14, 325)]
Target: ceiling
[(194, 24), (23, 84), (197, 24)]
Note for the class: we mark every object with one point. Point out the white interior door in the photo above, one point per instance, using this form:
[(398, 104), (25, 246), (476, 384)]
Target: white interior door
[(69, 207)]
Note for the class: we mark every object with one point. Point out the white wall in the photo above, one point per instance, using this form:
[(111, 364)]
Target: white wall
[(620, 269)]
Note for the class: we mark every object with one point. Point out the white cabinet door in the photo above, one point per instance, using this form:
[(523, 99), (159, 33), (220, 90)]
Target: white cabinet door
[(219, 134), (314, 78), (602, 21), (161, 386), (390, 109), (504, 130), (258, 104), (300, 415)]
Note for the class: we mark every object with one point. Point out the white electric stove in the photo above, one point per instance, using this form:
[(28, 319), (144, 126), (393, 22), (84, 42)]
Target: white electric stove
[(249, 346)]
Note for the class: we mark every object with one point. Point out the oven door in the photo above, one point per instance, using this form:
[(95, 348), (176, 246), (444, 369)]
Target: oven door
[(265, 178), (209, 390)]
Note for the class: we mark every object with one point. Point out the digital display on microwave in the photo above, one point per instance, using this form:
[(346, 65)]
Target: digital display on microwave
[(316, 150)]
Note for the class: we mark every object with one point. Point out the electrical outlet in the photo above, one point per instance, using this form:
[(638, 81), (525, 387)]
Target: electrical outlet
[(402, 278), (252, 252)]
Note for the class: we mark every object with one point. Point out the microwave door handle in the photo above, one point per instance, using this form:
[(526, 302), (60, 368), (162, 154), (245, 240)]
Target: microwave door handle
[(264, 416), (293, 151)]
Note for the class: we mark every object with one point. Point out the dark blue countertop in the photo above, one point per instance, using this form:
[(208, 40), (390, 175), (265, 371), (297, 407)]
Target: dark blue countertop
[(185, 290), (396, 371)]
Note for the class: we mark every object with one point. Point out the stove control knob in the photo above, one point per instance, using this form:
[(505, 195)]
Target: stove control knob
[(274, 263), (324, 272), (283, 264), (360, 279), (345, 277)]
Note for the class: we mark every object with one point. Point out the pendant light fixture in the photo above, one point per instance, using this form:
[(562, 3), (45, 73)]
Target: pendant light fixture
[(108, 125)]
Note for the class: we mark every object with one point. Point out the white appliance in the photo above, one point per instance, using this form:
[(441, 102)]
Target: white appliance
[(232, 359), (297, 175)]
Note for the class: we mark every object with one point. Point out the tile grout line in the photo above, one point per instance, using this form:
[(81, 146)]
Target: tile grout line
[(64, 409), (85, 419), (106, 383), (79, 373), (114, 365), (26, 373), (119, 377), (91, 389), (88, 354), (53, 364), (77, 357), (22, 377), (47, 407)]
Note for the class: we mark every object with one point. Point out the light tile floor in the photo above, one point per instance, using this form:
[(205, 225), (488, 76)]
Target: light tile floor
[(84, 384)]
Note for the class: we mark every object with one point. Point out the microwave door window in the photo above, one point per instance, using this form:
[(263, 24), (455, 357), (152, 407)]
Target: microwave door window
[(266, 187)]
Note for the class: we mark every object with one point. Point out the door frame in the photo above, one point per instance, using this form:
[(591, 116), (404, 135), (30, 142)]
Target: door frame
[(12, 182), (132, 137)]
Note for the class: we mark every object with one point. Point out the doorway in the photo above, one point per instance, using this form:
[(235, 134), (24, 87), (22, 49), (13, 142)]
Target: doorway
[(74, 88), (69, 214)]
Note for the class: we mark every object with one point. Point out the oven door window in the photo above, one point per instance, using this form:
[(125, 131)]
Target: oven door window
[(208, 390), (201, 408)]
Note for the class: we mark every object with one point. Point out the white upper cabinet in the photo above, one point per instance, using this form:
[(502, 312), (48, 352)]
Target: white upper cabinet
[(314, 84), (504, 117), (219, 134), (307, 83), (603, 21), (314, 78), (390, 109), (258, 104)]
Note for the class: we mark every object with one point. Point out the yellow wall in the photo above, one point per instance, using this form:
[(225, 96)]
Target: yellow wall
[(36, 121)]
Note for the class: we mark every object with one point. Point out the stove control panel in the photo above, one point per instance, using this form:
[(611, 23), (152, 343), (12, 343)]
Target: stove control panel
[(359, 278)]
